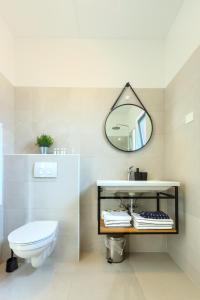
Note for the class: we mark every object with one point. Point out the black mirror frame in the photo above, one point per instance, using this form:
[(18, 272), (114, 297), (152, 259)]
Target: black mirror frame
[(129, 151)]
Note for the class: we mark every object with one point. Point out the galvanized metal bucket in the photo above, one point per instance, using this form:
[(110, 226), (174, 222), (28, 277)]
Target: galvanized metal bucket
[(115, 246), (44, 150)]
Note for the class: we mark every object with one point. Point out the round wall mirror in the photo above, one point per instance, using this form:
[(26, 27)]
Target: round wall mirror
[(128, 127)]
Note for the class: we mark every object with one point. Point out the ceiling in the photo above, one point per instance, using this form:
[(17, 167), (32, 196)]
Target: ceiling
[(126, 19)]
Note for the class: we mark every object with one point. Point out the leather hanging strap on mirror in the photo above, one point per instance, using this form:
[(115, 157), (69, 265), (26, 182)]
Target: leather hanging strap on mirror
[(128, 85)]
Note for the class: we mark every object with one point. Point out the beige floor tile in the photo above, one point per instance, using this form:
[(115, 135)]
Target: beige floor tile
[(161, 278), (99, 286), (143, 276)]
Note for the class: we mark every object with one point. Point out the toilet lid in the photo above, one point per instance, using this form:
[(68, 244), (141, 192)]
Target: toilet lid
[(33, 232)]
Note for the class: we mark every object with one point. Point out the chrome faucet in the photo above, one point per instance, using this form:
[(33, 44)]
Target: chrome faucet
[(131, 173)]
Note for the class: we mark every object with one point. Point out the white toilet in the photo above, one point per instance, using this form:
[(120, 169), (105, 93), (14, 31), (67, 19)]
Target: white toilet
[(34, 241)]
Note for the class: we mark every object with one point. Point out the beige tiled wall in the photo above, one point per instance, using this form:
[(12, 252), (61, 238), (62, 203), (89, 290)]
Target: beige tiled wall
[(75, 118), (28, 199), (7, 113), (182, 162)]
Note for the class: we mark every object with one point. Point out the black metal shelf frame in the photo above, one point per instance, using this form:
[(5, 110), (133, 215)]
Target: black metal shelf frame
[(157, 197)]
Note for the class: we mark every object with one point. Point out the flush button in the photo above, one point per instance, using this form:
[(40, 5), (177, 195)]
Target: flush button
[(45, 169)]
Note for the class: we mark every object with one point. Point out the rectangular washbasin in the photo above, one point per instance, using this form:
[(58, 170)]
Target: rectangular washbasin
[(137, 186)]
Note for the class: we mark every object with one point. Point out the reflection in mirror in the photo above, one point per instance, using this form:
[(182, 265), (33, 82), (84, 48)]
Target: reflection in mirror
[(128, 127)]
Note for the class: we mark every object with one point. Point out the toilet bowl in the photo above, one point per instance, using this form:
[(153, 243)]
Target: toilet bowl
[(34, 241)]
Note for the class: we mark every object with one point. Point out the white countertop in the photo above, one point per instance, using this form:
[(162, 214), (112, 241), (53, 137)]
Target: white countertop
[(148, 185), (118, 183)]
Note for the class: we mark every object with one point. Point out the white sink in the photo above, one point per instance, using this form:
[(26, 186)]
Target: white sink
[(138, 186)]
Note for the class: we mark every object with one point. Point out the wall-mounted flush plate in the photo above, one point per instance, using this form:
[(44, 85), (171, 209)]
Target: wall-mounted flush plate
[(189, 117), (45, 169)]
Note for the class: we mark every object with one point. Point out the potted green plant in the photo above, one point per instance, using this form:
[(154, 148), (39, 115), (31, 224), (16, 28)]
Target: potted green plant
[(44, 141)]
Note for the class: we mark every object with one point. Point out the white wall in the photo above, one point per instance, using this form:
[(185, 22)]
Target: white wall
[(1, 187), (89, 63), (7, 76), (182, 39), (7, 113), (7, 64), (111, 62), (101, 63), (1, 163)]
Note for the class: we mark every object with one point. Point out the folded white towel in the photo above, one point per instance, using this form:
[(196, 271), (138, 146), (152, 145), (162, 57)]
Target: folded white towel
[(118, 225), (152, 227), (111, 210), (116, 222), (139, 219), (116, 215), (171, 222), (155, 225)]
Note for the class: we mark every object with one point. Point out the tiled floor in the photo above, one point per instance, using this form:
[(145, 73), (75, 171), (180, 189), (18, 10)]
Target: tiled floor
[(140, 277)]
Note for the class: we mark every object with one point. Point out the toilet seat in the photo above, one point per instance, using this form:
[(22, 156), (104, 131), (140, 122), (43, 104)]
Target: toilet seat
[(33, 246), (33, 235)]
